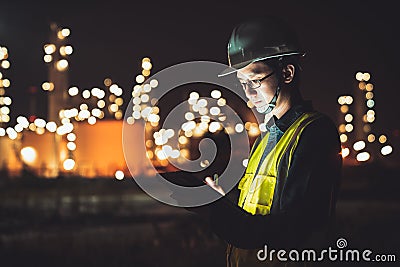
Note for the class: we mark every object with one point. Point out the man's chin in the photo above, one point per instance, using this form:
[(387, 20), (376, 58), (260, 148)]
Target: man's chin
[(263, 109), (260, 105)]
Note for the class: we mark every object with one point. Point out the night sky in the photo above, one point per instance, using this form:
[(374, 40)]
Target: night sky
[(110, 39)]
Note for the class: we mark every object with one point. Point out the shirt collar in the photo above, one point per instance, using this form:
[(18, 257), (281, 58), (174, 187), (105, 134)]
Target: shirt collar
[(290, 116)]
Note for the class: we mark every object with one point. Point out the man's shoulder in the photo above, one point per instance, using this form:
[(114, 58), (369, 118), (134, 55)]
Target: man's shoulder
[(320, 134), (322, 119), (322, 126), (317, 119)]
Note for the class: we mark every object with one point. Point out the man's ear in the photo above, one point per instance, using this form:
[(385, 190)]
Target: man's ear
[(288, 73)]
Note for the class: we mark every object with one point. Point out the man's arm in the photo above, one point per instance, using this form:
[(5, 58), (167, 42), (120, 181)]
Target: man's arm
[(305, 200)]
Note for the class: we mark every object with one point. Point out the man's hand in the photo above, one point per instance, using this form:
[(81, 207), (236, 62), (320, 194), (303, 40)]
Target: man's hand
[(214, 186)]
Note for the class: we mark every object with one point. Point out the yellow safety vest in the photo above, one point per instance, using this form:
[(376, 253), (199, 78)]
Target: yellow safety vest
[(257, 190)]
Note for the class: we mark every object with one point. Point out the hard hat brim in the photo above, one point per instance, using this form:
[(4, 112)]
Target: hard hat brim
[(237, 67)]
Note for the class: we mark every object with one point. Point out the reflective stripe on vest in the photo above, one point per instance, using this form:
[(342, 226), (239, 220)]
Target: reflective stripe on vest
[(257, 190)]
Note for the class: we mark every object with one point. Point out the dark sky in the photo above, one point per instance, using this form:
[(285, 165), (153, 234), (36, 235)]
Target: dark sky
[(110, 38)]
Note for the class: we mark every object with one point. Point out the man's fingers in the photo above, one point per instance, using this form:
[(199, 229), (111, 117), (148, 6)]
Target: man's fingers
[(212, 184), (210, 181)]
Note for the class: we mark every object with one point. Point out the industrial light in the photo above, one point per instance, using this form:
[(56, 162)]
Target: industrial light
[(28, 154), (69, 164)]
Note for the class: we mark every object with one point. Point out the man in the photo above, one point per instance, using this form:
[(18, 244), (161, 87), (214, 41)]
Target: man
[(289, 190)]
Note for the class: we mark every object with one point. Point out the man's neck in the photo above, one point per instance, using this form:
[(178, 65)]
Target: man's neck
[(285, 102)]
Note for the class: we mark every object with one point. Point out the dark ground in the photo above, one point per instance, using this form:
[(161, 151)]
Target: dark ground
[(105, 222)]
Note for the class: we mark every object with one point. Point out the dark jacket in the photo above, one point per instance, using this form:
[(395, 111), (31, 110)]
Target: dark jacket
[(304, 200)]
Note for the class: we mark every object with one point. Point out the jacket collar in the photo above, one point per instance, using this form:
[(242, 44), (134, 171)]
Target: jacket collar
[(290, 116)]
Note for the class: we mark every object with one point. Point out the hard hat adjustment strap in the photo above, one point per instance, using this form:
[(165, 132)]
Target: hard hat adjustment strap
[(271, 105)]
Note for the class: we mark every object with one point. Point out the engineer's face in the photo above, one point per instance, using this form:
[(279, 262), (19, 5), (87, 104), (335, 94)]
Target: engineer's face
[(262, 95)]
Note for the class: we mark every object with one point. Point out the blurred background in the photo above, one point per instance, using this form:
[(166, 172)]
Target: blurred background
[(68, 72)]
